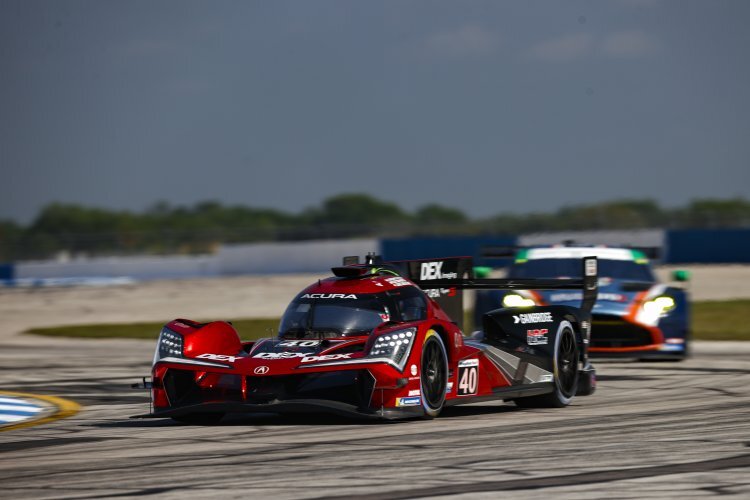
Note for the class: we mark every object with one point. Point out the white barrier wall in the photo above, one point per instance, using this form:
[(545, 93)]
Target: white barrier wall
[(137, 267), (290, 257), (258, 258)]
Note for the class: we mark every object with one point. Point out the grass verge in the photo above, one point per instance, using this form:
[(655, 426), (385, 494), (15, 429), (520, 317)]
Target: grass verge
[(721, 320), (714, 320)]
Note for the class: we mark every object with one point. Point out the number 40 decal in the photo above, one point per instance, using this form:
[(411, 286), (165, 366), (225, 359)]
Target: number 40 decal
[(468, 377)]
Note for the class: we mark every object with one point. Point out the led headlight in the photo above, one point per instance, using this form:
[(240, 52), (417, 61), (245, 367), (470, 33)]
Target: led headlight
[(394, 347), (659, 305), (653, 309), (169, 344), (515, 300)]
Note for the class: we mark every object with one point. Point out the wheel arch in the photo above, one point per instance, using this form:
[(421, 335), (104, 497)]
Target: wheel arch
[(447, 342)]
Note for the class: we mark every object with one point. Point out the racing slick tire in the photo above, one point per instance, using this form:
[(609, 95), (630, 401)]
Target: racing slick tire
[(433, 374), (565, 366), (200, 418)]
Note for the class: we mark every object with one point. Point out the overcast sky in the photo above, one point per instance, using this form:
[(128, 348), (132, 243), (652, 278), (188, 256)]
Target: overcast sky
[(485, 106)]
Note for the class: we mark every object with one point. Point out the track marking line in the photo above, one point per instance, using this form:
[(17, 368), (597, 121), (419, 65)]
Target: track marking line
[(21, 409)]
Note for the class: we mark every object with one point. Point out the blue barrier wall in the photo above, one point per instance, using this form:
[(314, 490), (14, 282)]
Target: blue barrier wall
[(708, 246), (6, 272), (430, 247)]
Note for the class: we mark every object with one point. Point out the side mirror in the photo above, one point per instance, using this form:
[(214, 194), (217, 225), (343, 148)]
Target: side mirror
[(482, 272), (681, 275)]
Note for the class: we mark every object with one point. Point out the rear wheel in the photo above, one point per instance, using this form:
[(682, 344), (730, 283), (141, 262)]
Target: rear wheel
[(200, 418), (433, 374), (565, 366)]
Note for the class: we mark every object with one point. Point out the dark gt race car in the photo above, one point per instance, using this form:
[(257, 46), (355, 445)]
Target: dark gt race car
[(634, 316), (376, 340)]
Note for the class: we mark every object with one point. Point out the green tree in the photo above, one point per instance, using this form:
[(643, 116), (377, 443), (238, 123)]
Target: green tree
[(715, 213), (359, 209), (11, 235), (437, 215)]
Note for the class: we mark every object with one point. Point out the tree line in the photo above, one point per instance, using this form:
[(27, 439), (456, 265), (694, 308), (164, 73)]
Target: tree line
[(200, 228)]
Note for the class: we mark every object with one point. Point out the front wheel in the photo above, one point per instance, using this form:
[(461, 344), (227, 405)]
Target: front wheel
[(565, 366), (434, 374)]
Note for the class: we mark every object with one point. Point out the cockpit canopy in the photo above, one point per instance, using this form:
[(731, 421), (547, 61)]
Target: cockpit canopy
[(330, 315)]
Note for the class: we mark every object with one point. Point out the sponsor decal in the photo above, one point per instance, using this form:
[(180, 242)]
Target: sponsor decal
[(586, 329), (280, 355), (537, 336), (573, 296), (542, 317), (413, 370), (590, 267), (385, 316), (411, 401), (299, 343), (415, 392), (261, 370), (329, 296), (458, 339), (435, 293), (398, 281), (468, 362), (671, 347), (326, 357), (449, 387), (434, 271), (546, 378), (468, 377), (218, 357)]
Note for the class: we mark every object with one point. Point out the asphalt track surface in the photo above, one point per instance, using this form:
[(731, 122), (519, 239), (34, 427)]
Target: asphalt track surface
[(652, 430)]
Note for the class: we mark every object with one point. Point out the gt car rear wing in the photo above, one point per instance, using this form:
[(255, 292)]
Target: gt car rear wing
[(510, 251)]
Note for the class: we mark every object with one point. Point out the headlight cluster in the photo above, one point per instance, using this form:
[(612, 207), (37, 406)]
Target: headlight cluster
[(395, 346), (655, 308), (170, 344), (515, 300), (659, 305)]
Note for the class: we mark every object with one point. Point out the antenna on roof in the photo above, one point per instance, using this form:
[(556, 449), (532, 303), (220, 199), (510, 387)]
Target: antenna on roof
[(373, 259)]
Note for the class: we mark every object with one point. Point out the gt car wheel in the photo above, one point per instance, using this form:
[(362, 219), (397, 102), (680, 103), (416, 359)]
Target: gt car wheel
[(565, 366), (434, 374), (200, 418)]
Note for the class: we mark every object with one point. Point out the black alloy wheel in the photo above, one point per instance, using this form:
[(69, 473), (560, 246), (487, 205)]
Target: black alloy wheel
[(434, 374), (567, 364), (565, 367)]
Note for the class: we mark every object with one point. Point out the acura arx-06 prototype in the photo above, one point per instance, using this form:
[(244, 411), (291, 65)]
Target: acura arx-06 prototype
[(376, 340)]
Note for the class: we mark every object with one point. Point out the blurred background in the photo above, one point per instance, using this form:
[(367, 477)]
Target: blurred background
[(232, 138)]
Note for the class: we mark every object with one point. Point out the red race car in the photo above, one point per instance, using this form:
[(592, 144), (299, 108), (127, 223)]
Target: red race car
[(377, 340)]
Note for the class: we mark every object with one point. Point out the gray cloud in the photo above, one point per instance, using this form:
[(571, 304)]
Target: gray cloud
[(621, 44), (563, 49), (465, 41), (629, 44)]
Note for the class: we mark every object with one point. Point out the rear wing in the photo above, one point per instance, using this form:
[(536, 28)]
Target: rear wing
[(589, 284), (444, 280)]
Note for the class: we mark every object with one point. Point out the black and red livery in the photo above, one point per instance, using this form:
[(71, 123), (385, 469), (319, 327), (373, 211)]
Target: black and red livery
[(375, 340)]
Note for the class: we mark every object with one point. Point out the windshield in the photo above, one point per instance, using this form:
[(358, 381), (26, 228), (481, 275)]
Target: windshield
[(625, 270), (324, 317)]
